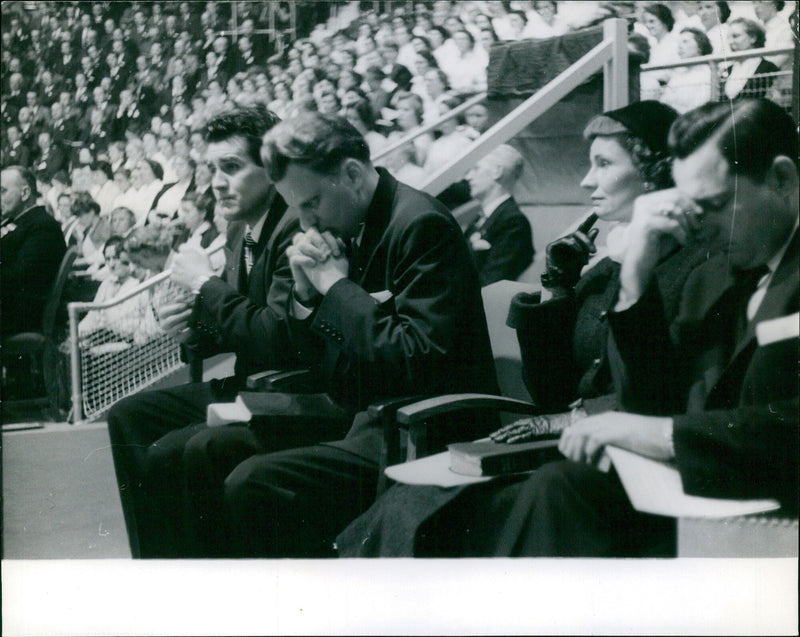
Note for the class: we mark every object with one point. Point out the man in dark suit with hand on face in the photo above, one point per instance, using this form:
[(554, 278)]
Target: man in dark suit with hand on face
[(722, 403)]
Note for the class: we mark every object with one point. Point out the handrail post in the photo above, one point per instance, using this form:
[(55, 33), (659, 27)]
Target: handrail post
[(74, 364), (615, 71)]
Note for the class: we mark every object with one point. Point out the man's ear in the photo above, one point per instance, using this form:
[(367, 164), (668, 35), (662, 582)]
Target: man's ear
[(353, 170), (497, 173), (782, 176)]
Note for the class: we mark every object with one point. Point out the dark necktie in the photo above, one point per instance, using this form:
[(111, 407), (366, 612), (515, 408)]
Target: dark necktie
[(249, 251)]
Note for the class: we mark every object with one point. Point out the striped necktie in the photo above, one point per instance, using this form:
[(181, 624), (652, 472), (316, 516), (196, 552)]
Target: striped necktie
[(249, 251)]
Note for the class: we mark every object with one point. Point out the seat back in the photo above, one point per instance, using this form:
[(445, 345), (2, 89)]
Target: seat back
[(505, 346), (55, 299)]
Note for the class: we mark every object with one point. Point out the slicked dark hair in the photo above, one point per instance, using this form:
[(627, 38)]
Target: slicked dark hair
[(250, 122), (749, 134), (319, 142)]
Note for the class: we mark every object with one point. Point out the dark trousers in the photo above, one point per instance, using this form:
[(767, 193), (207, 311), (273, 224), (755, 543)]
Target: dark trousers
[(153, 516), (213, 453), (293, 503), (564, 509)]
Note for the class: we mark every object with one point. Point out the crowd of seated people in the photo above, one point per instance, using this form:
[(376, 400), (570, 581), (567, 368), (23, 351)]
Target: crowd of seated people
[(680, 30)]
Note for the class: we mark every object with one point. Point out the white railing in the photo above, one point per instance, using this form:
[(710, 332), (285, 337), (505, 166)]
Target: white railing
[(777, 86), (718, 57), (610, 55)]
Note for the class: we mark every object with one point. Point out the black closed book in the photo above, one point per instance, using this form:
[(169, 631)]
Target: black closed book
[(489, 458), (283, 421)]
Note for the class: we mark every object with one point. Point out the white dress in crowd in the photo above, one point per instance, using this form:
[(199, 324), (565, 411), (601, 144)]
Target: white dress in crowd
[(689, 87), (537, 28), (443, 150), (144, 200), (663, 52), (217, 257), (105, 195), (467, 72)]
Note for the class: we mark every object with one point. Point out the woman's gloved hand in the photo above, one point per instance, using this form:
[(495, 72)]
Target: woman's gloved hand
[(567, 256), (537, 427)]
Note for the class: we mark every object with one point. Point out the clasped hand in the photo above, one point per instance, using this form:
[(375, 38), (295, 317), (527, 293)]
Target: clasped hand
[(566, 257), (317, 261), (174, 319), (661, 221)]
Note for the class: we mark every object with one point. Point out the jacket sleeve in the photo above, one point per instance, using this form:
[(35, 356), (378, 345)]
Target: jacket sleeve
[(545, 332), (646, 366), (408, 341), (33, 271), (237, 323), (746, 452), (511, 251)]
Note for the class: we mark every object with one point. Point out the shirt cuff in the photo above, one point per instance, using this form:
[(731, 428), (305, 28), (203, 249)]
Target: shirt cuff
[(299, 310)]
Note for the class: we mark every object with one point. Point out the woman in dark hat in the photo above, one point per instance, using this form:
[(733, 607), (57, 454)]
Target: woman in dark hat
[(566, 356)]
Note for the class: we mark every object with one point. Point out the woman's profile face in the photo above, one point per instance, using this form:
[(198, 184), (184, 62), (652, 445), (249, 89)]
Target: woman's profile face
[(406, 115), (656, 27), (117, 261), (462, 41), (739, 39), (421, 65), (613, 179), (709, 14), (687, 46)]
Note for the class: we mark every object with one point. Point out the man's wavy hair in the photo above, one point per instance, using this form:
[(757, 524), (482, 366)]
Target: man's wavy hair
[(250, 122), (319, 142), (750, 134)]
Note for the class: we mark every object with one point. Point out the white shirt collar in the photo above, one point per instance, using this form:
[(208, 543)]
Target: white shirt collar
[(493, 204)]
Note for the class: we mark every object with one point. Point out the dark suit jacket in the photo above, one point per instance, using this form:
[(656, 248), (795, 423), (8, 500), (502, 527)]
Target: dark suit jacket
[(51, 163), (17, 155), (508, 231), (758, 85), (564, 341), (231, 314), (424, 331), (65, 130), (737, 435), (32, 247)]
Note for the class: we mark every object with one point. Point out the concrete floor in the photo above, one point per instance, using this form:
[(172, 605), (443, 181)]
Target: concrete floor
[(60, 496)]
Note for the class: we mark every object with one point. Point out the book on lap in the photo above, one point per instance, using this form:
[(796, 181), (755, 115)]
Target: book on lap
[(261, 408)]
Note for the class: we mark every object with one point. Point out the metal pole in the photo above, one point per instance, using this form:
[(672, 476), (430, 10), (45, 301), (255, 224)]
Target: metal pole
[(74, 364), (615, 71)]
